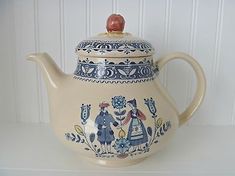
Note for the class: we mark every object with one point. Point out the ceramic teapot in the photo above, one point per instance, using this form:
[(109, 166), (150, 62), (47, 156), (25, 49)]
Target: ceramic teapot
[(113, 110)]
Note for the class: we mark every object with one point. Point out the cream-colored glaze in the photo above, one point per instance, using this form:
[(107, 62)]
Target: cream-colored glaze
[(66, 95), (201, 83)]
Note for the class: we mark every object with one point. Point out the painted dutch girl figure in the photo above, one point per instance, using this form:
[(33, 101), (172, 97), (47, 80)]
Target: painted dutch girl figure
[(137, 134), (105, 132)]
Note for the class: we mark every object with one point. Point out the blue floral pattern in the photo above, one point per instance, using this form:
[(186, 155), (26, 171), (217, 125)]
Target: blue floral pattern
[(120, 145), (125, 47), (109, 72), (118, 102)]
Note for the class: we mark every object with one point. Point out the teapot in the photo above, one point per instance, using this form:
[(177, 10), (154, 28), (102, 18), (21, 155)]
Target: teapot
[(113, 109)]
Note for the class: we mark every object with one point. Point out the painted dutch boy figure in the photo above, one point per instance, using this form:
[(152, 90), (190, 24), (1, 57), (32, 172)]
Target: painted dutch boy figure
[(137, 134), (105, 134)]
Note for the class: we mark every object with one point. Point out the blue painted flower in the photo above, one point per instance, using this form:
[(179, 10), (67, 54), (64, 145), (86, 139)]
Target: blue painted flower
[(118, 102), (85, 113), (122, 145)]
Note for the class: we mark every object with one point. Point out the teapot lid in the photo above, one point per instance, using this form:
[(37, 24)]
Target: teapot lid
[(115, 42)]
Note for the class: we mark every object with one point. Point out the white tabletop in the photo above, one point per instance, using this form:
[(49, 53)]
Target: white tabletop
[(27, 149)]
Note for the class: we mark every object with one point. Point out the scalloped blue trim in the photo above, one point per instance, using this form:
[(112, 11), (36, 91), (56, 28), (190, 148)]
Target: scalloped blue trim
[(113, 81)]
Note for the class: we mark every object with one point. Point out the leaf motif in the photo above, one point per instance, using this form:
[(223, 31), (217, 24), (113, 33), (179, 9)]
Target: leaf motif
[(120, 113), (150, 131), (83, 69), (159, 122), (90, 70), (78, 139), (122, 72), (123, 112), (161, 131), (92, 137), (116, 113), (120, 118), (73, 137), (158, 134), (86, 148), (67, 135), (168, 124), (165, 128), (79, 129), (98, 150), (132, 71)]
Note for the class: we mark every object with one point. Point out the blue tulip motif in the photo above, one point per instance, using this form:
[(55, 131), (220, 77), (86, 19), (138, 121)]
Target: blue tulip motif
[(119, 102), (85, 113), (151, 106)]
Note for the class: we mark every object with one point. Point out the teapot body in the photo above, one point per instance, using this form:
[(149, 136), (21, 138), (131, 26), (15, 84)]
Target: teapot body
[(113, 109)]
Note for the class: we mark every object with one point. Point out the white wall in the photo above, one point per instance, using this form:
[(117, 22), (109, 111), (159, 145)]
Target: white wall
[(203, 28)]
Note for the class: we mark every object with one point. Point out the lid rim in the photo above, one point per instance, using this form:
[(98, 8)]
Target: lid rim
[(114, 56), (115, 48)]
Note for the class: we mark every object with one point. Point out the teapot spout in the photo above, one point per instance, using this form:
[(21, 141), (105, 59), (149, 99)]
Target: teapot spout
[(52, 73)]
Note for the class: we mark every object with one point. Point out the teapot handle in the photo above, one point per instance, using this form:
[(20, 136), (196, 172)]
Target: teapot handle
[(201, 83)]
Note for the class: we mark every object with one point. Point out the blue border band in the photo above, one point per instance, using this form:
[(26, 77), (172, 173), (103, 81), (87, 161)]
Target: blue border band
[(109, 72)]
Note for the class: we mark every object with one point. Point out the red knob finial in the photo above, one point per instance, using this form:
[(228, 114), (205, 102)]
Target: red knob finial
[(115, 23)]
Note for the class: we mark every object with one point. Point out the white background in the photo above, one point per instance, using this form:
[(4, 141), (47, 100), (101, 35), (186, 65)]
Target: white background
[(203, 28)]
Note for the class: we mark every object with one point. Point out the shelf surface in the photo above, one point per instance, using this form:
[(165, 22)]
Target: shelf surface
[(32, 149)]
